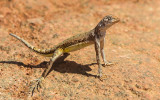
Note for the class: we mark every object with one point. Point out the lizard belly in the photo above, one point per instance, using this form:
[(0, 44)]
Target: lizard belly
[(47, 55), (77, 46)]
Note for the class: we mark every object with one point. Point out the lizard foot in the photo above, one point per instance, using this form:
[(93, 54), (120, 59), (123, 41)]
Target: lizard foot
[(108, 64), (36, 85), (101, 78)]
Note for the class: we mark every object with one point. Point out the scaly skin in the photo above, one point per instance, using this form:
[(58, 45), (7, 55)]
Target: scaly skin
[(95, 36), (75, 40)]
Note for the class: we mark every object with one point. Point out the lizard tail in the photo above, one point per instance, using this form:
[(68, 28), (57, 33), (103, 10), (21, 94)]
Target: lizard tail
[(40, 51)]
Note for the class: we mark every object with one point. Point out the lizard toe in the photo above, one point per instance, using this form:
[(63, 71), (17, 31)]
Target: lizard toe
[(37, 85)]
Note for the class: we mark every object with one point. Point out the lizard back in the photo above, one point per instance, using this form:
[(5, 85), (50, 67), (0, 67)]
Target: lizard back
[(74, 43), (71, 44)]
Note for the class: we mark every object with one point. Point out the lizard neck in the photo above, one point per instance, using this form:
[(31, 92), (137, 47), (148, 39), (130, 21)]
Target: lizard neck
[(100, 33)]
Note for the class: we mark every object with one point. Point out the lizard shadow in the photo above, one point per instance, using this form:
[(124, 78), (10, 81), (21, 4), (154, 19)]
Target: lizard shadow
[(41, 65), (72, 67), (60, 66)]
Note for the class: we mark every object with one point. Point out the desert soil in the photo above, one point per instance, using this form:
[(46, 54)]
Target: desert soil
[(133, 45)]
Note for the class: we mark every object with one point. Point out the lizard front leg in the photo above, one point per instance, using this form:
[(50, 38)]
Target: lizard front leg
[(106, 63), (97, 49), (56, 55)]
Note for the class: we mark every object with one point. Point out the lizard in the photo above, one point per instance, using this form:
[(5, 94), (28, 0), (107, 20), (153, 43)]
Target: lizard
[(95, 36)]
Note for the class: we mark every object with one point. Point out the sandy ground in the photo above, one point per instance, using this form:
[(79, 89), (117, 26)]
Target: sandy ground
[(133, 45)]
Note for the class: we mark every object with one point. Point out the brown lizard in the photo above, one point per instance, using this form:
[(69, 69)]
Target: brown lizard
[(95, 36)]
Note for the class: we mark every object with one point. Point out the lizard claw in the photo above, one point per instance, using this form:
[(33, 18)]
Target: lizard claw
[(37, 85)]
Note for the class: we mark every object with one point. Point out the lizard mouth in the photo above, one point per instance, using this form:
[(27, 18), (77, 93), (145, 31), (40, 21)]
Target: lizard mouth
[(115, 20)]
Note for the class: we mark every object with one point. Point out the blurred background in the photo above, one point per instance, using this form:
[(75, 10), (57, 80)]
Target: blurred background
[(133, 45)]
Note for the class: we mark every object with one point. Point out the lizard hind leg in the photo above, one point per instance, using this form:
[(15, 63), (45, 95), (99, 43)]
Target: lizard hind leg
[(37, 83)]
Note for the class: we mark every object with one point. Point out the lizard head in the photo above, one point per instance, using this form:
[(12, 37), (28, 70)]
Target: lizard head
[(107, 22)]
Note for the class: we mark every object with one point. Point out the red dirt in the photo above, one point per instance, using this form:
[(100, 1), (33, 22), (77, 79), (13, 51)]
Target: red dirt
[(133, 45)]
